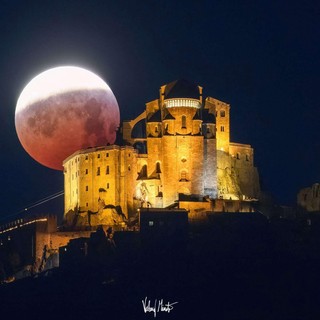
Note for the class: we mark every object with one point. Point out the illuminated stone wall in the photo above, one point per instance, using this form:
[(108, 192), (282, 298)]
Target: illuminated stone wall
[(180, 143), (97, 180), (184, 144), (245, 172), (26, 238)]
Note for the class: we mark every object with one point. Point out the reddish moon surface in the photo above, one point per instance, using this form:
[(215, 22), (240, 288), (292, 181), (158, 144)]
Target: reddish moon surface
[(63, 110)]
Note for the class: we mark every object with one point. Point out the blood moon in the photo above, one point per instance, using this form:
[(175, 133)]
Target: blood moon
[(63, 110)]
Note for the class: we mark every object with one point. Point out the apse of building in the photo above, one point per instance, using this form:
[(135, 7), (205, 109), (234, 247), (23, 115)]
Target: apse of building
[(179, 145)]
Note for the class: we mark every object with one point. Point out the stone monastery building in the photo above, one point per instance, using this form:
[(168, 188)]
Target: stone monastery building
[(177, 148)]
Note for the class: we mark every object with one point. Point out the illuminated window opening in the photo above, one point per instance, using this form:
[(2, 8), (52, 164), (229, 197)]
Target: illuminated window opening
[(144, 172), (183, 122), (151, 223)]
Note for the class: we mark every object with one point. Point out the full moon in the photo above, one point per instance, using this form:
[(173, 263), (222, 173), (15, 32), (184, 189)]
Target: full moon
[(63, 110)]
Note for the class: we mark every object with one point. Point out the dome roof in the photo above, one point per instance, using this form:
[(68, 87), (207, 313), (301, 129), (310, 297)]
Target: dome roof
[(181, 89)]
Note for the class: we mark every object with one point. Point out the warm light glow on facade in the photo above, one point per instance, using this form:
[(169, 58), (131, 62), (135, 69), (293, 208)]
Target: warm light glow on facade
[(191, 103)]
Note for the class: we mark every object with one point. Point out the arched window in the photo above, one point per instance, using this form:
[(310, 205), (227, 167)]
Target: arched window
[(143, 174), (183, 122)]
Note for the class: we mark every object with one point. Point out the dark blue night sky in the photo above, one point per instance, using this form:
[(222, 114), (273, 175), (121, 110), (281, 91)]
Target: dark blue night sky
[(262, 57)]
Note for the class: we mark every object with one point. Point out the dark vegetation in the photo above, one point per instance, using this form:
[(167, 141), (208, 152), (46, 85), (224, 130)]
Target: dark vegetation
[(236, 267)]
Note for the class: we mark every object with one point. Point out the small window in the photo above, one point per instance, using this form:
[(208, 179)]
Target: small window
[(107, 155), (222, 113), (108, 185), (156, 129), (238, 156), (87, 157), (87, 204), (98, 171), (87, 188), (247, 157), (129, 168), (107, 170), (183, 175), (208, 130), (222, 129), (86, 171), (151, 223), (158, 169), (98, 155), (183, 122)]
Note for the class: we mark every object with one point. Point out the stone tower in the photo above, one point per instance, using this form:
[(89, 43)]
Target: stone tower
[(99, 185), (179, 144)]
